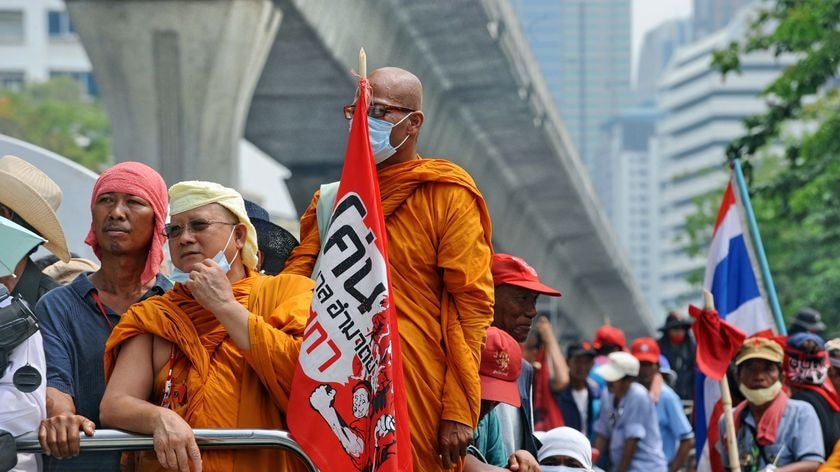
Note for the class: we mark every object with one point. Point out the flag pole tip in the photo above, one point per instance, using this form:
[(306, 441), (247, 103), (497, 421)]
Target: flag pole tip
[(362, 63), (708, 300)]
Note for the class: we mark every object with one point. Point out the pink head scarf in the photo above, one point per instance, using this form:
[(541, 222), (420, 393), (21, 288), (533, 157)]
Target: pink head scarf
[(140, 180)]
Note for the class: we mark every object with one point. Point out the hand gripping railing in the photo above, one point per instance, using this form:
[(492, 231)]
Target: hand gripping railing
[(114, 440)]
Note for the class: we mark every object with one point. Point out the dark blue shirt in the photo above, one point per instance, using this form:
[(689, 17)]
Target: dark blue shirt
[(571, 415), (75, 331)]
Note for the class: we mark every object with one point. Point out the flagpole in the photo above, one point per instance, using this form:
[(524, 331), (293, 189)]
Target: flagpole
[(758, 246), (726, 402), (362, 63)]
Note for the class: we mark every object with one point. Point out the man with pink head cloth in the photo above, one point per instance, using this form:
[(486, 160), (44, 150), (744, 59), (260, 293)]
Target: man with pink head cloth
[(128, 209)]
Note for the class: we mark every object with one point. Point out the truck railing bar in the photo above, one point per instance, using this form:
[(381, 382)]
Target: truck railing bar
[(116, 440)]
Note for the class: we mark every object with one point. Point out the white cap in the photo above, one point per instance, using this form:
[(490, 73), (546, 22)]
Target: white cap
[(619, 365), (569, 442)]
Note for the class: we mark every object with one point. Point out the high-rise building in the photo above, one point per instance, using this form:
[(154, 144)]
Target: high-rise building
[(583, 48), (712, 15), (658, 46), (702, 113), (38, 42), (630, 203)]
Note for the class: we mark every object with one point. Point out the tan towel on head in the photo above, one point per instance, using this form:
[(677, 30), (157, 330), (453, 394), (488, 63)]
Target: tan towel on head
[(191, 194)]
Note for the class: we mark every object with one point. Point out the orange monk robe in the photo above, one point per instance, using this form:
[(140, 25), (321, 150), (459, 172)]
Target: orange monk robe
[(216, 383), (832, 461), (439, 250)]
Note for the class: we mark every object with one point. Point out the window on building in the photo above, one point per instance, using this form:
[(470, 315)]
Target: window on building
[(86, 81), (11, 26), (11, 80), (58, 24)]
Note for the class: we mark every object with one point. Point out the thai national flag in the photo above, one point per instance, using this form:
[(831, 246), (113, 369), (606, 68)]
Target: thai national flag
[(732, 278)]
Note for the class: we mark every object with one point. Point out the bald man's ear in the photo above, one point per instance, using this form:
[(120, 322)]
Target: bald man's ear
[(415, 121)]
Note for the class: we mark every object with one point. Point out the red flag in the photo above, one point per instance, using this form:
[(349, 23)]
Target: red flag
[(714, 434), (717, 342), (547, 414), (347, 407)]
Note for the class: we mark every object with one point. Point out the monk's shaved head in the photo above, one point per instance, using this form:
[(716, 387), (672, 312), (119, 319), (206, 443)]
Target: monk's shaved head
[(398, 86)]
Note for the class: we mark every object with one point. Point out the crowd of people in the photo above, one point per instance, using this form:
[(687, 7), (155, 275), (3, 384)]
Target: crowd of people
[(210, 337)]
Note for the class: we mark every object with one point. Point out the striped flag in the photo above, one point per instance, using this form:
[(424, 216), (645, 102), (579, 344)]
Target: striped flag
[(732, 277)]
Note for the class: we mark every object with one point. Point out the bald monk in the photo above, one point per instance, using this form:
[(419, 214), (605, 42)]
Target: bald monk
[(216, 351), (439, 249)]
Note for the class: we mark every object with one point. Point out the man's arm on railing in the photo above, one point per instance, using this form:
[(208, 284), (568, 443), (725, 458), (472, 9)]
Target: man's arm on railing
[(59, 432)]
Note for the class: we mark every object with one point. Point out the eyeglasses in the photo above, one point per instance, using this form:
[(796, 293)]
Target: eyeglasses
[(195, 226), (376, 110)]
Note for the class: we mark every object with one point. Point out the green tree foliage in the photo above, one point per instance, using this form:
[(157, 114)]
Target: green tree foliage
[(796, 191), (56, 116)]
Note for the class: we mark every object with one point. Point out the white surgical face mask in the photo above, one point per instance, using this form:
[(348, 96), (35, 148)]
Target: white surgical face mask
[(760, 396), (179, 275)]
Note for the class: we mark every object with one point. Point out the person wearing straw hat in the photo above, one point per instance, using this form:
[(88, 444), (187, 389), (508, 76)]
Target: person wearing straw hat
[(772, 430), (30, 198), (219, 350), (128, 210)]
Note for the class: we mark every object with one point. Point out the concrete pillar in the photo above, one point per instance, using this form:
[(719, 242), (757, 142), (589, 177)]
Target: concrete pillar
[(177, 78)]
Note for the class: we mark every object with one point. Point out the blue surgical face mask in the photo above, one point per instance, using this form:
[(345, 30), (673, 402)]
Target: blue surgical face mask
[(380, 138), (179, 275)]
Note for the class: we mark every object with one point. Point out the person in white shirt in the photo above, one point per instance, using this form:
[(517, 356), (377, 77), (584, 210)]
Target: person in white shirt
[(21, 406)]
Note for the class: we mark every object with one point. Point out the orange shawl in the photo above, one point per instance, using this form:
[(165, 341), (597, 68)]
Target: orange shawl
[(219, 385), (439, 249)]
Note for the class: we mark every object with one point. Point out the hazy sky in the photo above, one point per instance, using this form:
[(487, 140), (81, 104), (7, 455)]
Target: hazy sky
[(648, 14)]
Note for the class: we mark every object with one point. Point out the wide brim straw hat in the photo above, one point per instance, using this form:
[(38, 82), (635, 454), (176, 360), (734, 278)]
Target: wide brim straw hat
[(33, 196)]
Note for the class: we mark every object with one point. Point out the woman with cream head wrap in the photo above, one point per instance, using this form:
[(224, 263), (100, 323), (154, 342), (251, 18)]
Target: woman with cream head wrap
[(224, 341), (193, 194)]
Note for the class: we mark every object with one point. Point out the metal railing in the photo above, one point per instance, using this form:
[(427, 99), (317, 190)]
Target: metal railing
[(115, 440)]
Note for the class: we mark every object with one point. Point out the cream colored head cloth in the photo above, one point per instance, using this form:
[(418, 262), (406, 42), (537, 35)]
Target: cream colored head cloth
[(191, 194)]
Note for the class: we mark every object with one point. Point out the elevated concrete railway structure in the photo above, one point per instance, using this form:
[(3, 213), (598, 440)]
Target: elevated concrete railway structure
[(176, 89)]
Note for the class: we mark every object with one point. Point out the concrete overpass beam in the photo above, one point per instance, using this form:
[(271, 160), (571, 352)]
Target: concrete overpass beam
[(177, 77)]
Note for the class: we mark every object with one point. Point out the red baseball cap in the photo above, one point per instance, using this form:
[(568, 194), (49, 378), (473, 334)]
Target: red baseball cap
[(609, 335), (501, 362), (646, 350), (513, 270)]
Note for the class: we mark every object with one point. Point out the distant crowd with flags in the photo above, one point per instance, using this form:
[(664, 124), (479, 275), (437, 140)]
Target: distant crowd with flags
[(732, 380)]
